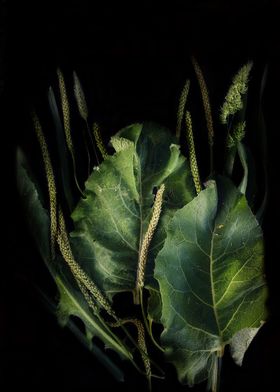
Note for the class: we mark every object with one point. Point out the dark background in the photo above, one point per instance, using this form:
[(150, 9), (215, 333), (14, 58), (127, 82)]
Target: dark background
[(133, 60)]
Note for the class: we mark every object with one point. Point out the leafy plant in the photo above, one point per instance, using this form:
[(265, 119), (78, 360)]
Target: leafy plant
[(145, 227)]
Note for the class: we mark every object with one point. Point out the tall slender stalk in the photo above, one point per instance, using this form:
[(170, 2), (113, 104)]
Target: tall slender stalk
[(207, 108), (192, 153), (83, 110), (50, 181), (181, 108), (67, 124)]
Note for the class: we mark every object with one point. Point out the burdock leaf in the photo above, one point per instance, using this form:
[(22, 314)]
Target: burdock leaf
[(210, 273), (113, 218)]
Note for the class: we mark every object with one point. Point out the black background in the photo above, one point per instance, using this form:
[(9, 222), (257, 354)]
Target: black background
[(133, 60)]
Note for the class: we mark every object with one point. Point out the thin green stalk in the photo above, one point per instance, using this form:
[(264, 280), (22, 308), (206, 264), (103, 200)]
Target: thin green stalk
[(149, 330), (207, 108), (143, 253)]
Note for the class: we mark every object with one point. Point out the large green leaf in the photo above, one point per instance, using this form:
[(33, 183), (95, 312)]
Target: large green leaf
[(210, 273), (113, 218), (71, 302)]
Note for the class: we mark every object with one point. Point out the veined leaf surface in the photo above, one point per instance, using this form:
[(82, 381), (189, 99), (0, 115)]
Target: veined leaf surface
[(113, 218), (210, 273)]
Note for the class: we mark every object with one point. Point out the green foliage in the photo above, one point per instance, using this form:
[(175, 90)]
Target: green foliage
[(112, 219), (211, 280), (203, 254)]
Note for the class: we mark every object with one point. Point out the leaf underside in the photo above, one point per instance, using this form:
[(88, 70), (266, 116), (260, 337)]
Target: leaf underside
[(210, 273)]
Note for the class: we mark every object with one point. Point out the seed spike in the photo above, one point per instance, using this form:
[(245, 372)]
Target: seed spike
[(207, 107), (192, 153), (77, 271), (99, 141), (181, 107), (146, 243), (50, 181), (67, 122)]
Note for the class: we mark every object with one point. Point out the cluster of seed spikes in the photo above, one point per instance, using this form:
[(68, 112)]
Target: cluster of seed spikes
[(58, 233), (50, 182), (188, 123)]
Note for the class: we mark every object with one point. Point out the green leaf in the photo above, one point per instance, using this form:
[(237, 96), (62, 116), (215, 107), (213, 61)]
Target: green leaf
[(72, 303), (113, 218), (210, 273), (84, 339), (71, 300)]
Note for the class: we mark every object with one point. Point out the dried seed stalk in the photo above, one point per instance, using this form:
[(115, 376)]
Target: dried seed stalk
[(66, 123), (192, 154), (99, 141), (181, 107), (147, 240), (77, 271), (50, 182), (207, 107), (205, 100)]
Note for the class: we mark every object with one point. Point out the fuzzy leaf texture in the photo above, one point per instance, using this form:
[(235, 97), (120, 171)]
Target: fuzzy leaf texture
[(210, 273), (111, 221)]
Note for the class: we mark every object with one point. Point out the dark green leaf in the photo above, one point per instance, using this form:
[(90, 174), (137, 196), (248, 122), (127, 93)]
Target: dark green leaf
[(210, 273), (111, 221)]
